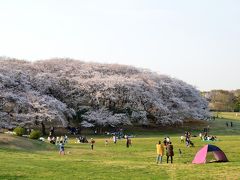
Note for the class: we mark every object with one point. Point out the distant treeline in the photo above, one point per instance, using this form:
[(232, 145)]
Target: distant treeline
[(222, 100)]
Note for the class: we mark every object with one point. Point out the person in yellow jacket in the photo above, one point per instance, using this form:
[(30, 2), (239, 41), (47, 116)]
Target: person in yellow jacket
[(160, 152)]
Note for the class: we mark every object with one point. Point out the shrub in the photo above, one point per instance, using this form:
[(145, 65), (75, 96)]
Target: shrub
[(35, 134), (19, 131)]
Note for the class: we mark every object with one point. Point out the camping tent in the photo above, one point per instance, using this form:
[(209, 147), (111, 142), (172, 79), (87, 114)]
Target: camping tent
[(201, 155)]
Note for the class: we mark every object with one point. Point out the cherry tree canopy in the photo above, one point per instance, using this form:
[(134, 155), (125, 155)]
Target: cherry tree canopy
[(59, 91)]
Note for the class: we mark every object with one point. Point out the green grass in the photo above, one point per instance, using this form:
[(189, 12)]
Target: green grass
[(228, 115), (22, 158)]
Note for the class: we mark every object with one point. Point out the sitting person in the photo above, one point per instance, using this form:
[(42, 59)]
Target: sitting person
[(53, 140), (57, 140), (213, 138), (191, 143)]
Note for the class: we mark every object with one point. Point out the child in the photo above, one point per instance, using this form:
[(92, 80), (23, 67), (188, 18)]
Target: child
[(180, 152), (61, 148), (182, 139), (92, 143), (106, 142)]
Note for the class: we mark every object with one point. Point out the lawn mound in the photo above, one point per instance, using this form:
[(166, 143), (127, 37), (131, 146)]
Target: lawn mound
[(13, 142)]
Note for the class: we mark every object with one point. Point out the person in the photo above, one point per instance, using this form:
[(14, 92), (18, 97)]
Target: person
[(62, 138), (168, 139), (65, 139), (182, 139), (128, 142), (180, 152), (51, 131), (92, 143), (200, 135), (160, 152), (106, 142), (205, 136), (57, 140), (231, 123), (53, 140), (191, 143), (165, 142), (170, 152), (227, 124), (28, 131), (187, 141), (61, 148), (114, 139)]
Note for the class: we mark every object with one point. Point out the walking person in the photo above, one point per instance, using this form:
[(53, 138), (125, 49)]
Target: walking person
[(160, 152), (170, 152)]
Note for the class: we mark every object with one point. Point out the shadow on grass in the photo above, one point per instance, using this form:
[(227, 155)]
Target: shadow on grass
[(9, 177)]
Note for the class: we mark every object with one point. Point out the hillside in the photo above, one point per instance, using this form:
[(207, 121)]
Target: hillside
[(10, 142), (61, 91)]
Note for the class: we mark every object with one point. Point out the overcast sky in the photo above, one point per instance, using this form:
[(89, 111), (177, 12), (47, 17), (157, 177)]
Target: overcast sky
[(195, 41)]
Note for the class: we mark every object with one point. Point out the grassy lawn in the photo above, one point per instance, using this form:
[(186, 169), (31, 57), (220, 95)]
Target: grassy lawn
[(228, 115), (22, 158)]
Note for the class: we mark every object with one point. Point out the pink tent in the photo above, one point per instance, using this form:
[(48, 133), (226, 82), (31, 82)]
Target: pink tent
[(201, 155)]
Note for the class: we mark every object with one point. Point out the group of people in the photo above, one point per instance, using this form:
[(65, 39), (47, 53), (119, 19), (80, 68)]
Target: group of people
[(231, 124), (187, 137), (206, 137), (128, 140), (167, 145), (57, 140), (81, 139), (114, 138)]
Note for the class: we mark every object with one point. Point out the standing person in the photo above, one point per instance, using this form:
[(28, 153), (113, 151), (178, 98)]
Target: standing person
[(61, 148), (65, 139), (52, 131), (231, 123), (92, 143), (160, 152), (187, 141), (127, 143), (114, 139), (168, 140), (180, 152), (170, 152), (227, 124), (165, 142)]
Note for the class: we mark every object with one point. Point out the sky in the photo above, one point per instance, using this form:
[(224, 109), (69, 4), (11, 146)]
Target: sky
[(195, 41)]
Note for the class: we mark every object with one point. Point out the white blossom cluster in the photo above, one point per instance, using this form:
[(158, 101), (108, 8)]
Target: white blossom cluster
[(61, 91)]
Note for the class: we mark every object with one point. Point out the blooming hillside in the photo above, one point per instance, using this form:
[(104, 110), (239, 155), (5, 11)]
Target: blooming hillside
[(60, 91)]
